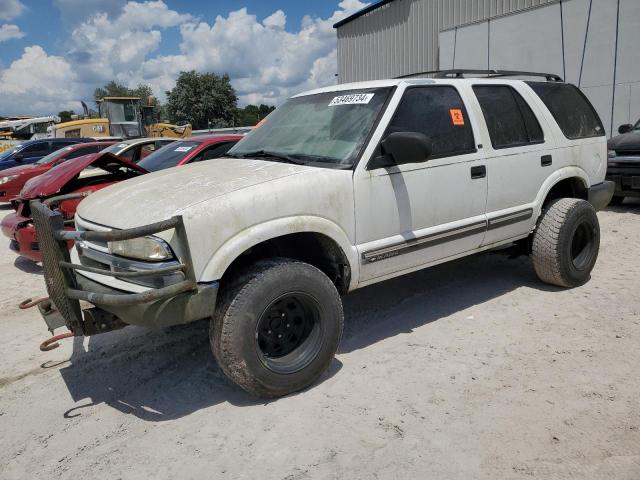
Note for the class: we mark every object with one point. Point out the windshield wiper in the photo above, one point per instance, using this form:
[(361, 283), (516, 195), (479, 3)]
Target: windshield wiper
[(271, 155)]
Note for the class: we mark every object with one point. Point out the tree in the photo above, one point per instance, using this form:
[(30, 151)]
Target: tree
[(115, 89), (65, 115), (252, 114), (205, 100)]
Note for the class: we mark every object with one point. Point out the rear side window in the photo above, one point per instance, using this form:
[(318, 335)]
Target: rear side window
[(440, 114), (39, 149), (510, 120), (215, 151), (576, 117)]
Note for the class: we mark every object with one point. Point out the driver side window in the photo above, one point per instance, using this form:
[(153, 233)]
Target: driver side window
[(440, 114)]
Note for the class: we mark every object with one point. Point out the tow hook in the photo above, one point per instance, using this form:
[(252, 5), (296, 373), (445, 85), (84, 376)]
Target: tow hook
[(51, 316), (28, 303), (52, 343)]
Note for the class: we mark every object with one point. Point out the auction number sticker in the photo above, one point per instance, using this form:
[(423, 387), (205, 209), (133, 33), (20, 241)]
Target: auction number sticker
[(183, 149), (353, 99)]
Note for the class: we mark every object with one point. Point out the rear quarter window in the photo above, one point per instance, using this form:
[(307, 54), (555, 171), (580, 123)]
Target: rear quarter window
[(574, 114)]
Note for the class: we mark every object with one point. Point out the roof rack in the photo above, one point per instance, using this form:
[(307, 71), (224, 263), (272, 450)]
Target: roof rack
[(461, 73)]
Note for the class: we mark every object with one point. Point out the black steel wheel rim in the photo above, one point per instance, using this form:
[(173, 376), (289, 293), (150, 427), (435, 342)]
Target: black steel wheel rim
[(582, 246), (288, 333)]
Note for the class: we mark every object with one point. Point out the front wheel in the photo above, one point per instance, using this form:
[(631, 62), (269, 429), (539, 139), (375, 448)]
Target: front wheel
[(277, 327), (566, 242)]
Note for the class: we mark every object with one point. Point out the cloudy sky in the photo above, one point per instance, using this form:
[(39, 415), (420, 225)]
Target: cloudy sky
[(53, 53)]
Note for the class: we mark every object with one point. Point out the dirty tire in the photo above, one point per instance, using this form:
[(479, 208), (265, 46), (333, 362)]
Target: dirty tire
[(566, 242), (247, 310), (616, 201)]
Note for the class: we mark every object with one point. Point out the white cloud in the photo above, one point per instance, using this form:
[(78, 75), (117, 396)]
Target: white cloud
[(105, 49), (10, 32), (266, 62), (38, 83), (79, 10), (10, 9)]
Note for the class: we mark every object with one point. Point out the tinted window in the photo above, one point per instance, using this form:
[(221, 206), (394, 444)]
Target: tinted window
[(37, 149), (575, 115), (214, 151), (440, 114), (510, 121), (84, 151), (168, 156)]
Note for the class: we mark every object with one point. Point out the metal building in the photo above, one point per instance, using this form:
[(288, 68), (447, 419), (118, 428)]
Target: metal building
[(591, 43)]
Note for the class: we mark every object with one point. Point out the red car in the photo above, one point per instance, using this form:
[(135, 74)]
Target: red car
[(106, 169), (13, 179)]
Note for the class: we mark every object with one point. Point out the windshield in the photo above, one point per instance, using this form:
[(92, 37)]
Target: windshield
[(118, 147), (168, 156), (637, 126), (118, 112), (52, 156), (326, 128), (11, 151)]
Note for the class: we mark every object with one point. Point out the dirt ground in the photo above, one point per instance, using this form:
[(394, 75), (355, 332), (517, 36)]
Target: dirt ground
[(471, 370)]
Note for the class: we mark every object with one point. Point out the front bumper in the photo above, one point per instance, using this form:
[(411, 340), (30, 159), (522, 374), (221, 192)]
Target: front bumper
[(625, 173), (181, 302)]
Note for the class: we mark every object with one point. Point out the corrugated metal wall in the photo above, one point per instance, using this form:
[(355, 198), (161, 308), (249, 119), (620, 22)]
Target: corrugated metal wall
[(402, 36)]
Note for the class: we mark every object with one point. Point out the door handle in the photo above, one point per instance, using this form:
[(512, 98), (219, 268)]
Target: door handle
[(546, 160), (478, 172)]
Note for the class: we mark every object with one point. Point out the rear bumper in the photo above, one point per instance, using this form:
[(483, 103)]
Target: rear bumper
[(600, 194), (181, 302), (22, 233)]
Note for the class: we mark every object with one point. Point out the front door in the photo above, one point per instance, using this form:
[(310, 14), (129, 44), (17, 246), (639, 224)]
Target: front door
[(412, 215)]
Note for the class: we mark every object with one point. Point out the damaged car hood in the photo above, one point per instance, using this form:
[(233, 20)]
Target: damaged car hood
[(163, 194), (51, 182)]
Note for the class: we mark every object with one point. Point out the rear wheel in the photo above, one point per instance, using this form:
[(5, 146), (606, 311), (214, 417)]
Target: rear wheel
[(277, 327), (566, 242)]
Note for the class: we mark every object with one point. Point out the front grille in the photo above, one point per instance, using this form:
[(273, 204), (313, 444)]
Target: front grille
[(55, 251)]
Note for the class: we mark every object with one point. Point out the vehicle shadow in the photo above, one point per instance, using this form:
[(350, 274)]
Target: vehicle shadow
[(27, 266), (158, 375), (630, 205)]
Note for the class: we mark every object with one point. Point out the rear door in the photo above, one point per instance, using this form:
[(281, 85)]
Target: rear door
[(518, 147)]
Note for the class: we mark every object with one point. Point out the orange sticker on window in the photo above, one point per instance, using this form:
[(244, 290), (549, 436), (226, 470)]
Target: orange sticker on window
[(456, 116)]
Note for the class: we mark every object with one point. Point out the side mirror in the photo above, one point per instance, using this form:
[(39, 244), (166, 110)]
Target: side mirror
[(626, 128), (403, 147), (18, 157)]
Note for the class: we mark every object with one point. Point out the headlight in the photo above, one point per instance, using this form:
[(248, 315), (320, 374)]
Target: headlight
[(611, 153), (145, 248), (8, 179)]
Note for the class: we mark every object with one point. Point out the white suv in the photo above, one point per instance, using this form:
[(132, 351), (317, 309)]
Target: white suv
[(339, 188)]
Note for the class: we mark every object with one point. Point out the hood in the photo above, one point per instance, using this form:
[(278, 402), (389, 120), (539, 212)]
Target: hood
[(32, 168), (627, 142), (160, 195), (51, 182)]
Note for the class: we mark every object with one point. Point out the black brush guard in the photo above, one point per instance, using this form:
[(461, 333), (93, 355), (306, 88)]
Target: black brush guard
[(60, 279)]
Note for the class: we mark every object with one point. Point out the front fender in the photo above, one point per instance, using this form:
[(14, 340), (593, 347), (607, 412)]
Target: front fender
[(256, 234)]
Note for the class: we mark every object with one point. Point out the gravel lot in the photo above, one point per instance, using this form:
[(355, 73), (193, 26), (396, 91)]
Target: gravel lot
[(472, 370)]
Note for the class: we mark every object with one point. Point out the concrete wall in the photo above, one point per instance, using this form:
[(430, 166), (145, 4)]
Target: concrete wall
[(591, 43)]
